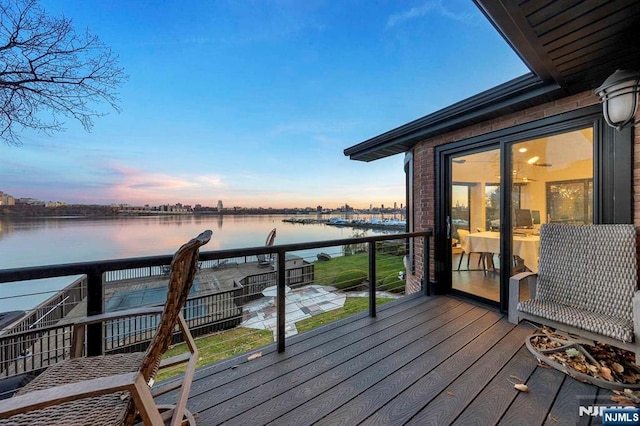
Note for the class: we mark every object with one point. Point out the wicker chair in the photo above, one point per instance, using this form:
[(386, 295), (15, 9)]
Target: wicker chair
[(116, 389), (263, 260), (586, 284)]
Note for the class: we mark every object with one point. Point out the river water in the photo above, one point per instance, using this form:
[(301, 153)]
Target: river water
[(48, 241)]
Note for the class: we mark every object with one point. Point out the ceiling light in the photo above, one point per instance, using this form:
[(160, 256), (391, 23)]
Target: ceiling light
[(619, 97), (522, 150), (533, 160)]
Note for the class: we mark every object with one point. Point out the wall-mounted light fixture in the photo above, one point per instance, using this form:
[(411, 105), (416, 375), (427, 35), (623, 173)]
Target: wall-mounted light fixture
[(619, 97)]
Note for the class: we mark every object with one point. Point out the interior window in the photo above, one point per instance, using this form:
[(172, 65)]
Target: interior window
[(460, 214), (552, 181), (570, 201)]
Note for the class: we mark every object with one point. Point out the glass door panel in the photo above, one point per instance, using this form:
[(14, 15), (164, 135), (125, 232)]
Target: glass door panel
[(475, 218), (552, 181)]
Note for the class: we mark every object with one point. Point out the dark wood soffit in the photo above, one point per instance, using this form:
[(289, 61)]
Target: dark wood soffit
[(575, 43)]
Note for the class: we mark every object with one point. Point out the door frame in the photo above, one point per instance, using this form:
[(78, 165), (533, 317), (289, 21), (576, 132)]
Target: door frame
[(612, 182)]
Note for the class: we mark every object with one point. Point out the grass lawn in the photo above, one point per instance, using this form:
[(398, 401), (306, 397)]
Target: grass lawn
[(224, 344), (219, 346), (387, 266)]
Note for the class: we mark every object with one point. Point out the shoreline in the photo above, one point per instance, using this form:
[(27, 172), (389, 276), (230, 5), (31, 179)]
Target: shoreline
[(353, 223)]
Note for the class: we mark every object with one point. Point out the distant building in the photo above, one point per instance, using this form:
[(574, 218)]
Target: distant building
[(6, 199), (219, 205), (176, 208), (30, 201), (55, 204)]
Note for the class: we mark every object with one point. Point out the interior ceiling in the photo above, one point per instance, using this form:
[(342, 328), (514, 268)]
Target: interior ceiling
[(576, 43), (555, 153)]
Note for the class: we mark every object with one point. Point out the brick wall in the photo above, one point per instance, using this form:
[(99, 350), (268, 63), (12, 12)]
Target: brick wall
[(424, 179)]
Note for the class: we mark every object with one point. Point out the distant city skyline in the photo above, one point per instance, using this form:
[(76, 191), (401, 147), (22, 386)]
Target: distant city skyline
[(253, 104), (10, 199)]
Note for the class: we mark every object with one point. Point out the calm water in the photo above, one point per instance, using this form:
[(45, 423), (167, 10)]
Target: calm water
[(47, 241)]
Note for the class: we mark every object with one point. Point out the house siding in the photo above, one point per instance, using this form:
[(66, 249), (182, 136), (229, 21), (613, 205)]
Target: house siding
[(424, 167)]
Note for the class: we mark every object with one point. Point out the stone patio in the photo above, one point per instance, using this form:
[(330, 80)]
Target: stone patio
[(301, 303)]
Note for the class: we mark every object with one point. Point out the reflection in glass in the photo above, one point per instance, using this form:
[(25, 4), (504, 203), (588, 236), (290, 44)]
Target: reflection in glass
[(475, 206), (552, 182), (570, 202)]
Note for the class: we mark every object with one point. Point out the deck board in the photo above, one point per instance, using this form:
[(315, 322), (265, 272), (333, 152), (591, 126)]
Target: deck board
[(405, 362), (337, 369), (494, 400), (422, 360), (543, 385), (474, 368), (564, 410), (287, 366), (431, 378)]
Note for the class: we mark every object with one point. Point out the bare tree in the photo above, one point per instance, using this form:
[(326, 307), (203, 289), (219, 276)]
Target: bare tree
[(49, 71)]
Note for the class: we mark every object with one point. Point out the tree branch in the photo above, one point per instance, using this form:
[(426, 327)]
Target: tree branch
[(47, 66)]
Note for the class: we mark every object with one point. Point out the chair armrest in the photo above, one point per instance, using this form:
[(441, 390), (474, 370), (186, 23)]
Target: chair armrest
[(514, 292), (39, 399), (636, 322)]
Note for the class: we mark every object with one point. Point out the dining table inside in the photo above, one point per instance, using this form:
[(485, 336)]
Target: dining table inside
[(526, 247)]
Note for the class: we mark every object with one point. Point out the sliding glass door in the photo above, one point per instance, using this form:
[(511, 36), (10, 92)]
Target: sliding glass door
[(474, 214), (553, 179), (544, 179)]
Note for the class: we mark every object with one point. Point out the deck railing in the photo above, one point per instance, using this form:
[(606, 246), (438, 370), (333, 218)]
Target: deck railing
[(55, 308), (102, 338)]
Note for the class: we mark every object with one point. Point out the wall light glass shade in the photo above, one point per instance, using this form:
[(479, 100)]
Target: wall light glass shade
[(619, 97)]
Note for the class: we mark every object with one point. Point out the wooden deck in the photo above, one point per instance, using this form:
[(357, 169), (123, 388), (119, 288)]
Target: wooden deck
[(423, 360)]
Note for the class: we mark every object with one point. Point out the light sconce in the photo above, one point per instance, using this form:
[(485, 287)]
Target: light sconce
[(619, 97)]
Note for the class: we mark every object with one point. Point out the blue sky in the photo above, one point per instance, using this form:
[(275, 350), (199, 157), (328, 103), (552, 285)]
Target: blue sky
[(253, 102)]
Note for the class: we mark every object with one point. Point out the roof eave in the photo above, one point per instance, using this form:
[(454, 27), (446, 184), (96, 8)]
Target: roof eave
[(403, 138)]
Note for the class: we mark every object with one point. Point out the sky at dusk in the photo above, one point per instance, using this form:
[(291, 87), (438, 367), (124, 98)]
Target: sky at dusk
[(253, 102)]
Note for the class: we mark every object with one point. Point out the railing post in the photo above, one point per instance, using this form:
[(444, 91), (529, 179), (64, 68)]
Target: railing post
[(425, 266), (95, 306), (280, 300), (372, 279)]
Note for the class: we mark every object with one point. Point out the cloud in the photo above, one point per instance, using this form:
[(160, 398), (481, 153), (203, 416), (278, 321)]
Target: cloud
[(130, 184), (433, 6)]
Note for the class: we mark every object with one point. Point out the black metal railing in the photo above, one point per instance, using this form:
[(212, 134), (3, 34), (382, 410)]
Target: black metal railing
[(98, 273), (55, 308)]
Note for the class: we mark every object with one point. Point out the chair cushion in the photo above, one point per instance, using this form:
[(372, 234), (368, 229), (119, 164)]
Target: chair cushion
[(606, 325), (589, 267), (108, 409)]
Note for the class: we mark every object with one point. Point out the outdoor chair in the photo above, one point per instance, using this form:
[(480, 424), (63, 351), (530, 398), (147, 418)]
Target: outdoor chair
[(116, 389), (263, 260), (586, 284)]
